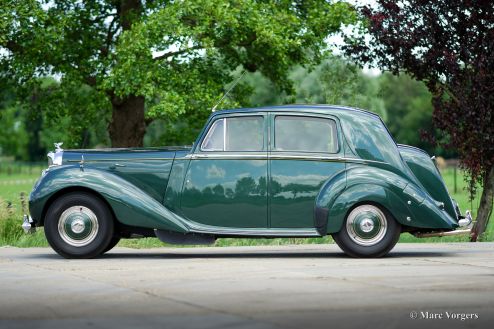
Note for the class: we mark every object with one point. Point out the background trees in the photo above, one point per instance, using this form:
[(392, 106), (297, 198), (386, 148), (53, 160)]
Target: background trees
[(449, 45), (99, 55), (137, 61)]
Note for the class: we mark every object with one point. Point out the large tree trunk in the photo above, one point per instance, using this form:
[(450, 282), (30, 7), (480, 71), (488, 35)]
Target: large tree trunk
[(485, 207), (127, 127)]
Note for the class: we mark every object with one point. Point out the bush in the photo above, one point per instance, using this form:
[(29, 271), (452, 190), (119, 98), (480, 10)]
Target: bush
[(10, 228), (11, 233)]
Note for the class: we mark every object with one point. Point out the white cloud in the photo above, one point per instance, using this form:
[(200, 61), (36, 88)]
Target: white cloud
[(215, 172)]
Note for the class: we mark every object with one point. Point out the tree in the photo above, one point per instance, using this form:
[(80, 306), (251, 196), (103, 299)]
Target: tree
[(333, 81), (344, 84), (245, 186), (448, 44), (409, 108), (13, 136), (145, 60)]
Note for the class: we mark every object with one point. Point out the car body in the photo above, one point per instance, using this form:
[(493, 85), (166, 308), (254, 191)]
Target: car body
[(282, 171)]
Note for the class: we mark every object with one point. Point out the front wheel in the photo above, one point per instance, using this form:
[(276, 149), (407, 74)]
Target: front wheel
[(369, 231), (79, 225), (114, 241)]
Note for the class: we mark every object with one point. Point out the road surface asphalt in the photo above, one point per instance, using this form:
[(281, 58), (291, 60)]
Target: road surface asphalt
[(302, 286)]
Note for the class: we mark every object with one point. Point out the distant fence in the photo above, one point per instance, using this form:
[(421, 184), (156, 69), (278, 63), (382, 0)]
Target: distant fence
[(19, 168), (449, 164)]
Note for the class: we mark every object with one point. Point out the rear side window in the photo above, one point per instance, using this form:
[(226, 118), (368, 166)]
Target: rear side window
[(305, 134), (235, 134)]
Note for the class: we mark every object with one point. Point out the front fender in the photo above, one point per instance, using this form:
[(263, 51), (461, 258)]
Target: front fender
[(131, 205), (402, 198)]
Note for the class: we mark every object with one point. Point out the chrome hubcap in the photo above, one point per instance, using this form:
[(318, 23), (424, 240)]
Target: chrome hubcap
[(78, 226), (366, 225)]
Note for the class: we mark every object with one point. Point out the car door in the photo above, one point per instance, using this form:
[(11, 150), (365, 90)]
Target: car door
[(226, 181), (304, 154)]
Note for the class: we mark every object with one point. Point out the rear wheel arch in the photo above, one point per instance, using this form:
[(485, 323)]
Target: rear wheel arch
[(376, 194), (370, 202)]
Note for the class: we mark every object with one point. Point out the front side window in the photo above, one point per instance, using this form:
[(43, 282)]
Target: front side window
[(305, 134), (235, 134), (214, 140)]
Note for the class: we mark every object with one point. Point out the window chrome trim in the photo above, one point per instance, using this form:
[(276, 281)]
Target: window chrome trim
[(117, 160), (264, 156), (224, 134), (253, 155)]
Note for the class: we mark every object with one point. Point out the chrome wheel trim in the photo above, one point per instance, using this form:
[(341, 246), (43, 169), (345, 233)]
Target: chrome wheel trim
[(78, 226), (366, 225)]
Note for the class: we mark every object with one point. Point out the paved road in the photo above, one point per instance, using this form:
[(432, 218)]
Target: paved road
[(311, 286)]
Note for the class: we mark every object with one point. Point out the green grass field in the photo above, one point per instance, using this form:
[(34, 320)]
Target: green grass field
[(12, 183)]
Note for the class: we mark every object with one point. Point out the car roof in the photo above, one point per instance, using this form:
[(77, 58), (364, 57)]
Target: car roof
[(303, 108)]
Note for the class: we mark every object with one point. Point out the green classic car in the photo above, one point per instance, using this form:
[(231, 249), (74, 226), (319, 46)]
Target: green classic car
[(284, 171)]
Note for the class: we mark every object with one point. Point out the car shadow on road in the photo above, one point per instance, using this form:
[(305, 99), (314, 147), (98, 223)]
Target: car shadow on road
[(187, 254), (284, 254)]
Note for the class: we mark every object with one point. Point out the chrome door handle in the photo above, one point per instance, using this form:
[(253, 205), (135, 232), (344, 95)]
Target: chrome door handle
[(114, 166)]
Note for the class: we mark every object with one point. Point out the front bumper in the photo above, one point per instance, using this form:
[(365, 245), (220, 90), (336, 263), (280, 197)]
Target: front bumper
[(28, 224)]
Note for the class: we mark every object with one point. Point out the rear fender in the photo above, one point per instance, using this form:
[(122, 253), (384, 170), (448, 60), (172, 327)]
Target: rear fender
[(364, 184), (365, 193)]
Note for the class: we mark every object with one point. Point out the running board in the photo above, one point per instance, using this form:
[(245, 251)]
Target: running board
[(253, 232), (183, 238)]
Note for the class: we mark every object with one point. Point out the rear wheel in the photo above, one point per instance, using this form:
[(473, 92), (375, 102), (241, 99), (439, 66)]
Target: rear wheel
[(79, 225), (369, 231)]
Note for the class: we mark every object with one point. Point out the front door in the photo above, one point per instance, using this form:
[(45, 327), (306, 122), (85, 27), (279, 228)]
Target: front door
[(226, 182), (304, 155)]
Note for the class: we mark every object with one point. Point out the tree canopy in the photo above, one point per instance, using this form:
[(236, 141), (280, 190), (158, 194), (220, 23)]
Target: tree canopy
[(143, 60)]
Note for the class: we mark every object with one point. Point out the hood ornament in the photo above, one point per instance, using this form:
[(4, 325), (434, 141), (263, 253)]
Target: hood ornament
[(58, 147)]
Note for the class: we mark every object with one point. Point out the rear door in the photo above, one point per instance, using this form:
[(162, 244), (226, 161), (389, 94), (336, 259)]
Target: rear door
[(304, 154), (226, 182)]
